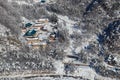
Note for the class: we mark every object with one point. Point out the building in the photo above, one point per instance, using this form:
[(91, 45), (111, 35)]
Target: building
[(52, 37), (32, 40), (38, 27), (39, 34), (42, 44), (43, 1), (30, 33), (45, 20), (28, 25)]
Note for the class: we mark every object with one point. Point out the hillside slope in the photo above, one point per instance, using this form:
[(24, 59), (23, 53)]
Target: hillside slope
[(87, 46)]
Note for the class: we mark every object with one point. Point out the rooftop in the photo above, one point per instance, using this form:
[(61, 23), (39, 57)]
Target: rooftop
[(30, 32), (28, 25), (43, 1)]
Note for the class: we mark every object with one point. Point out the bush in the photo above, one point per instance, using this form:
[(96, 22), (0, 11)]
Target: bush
[(53, 18)]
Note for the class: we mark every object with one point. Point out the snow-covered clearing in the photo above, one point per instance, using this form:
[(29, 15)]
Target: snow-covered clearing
[(21, 2), (59, 67), (84, 71)]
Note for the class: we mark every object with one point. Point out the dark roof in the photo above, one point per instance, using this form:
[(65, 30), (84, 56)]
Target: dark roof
[(43, 1), (28, 25), (30, 33)]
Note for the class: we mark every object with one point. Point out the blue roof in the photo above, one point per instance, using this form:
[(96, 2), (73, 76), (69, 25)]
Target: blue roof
[(43, 1), (28, 25), (30, 33)]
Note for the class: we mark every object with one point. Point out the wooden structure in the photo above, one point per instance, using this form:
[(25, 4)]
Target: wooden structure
[(51, 39), (45, 20), (76, 64), (32, 40), (38, 45)]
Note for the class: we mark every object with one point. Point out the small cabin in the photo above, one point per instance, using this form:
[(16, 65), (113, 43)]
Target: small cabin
[(28, 25), (32, 40), (52, 38), (35, 46), (44, 29), (43, 1), (38, 45), (43, 20), (38, 26), (30, 33)]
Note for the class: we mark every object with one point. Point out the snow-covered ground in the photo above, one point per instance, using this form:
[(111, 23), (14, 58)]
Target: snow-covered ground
[(59, 67), (69, 26), (84, 71), (3, 30), (5, 42), (21, 2)]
